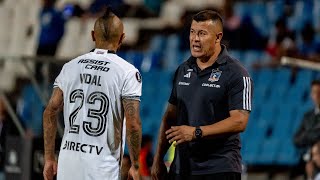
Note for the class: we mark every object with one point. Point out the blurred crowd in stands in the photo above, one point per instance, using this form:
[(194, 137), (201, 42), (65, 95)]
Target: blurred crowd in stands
[(240, 34)]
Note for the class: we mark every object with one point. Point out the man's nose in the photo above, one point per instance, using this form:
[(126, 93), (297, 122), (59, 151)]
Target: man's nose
[(196, 38)]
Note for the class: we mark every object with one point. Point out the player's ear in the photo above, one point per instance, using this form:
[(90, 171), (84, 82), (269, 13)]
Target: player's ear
[(219, 37), (123, 35), (92, 36)]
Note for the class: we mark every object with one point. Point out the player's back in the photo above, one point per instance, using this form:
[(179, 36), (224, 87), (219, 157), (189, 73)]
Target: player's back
[(93, 85)]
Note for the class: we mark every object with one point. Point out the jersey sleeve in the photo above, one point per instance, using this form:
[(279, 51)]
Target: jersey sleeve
[(173, 95), (59, 81), (132, 85), (240, 92)]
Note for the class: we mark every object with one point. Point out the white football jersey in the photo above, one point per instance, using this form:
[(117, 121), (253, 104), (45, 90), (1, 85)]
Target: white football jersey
[(93, 86)]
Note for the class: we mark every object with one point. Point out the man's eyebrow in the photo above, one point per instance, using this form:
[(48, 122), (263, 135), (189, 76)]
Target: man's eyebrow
[(202, 30)]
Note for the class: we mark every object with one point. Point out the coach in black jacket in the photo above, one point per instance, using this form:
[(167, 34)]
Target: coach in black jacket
[(309, 130)]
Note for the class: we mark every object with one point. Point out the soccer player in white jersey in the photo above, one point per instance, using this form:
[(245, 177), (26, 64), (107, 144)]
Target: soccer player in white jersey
[(99, 93)]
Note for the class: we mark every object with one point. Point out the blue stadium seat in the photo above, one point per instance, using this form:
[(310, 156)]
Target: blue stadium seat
[(252, 128), (269, 113), (295, 94), (172, 42), (254, 73), (277, 93), (302, 14), (287, 154), (171, 60), (316, 14), (269, 151), (308, 105), (122, 54), (185, 56), (258, 15), (255, 113), (275, 10), (265, 76), (250, 149), (250, 57), (150, 61), (283, 124), (283, 76), (297, 121), (304, 77), (241, 8), (135, 58), (236, 54), (157, 43)]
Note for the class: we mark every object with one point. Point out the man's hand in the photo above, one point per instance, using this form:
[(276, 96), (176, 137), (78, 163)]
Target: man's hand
[(50, 169), (134, 173), (180, 134), (159, 170)]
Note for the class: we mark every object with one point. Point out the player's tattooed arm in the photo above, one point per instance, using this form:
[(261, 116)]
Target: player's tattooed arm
[(134, 132), (168, 120), (50, 116)]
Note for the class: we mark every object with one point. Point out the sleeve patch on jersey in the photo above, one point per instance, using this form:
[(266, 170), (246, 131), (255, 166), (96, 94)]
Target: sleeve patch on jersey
[(138, 77)]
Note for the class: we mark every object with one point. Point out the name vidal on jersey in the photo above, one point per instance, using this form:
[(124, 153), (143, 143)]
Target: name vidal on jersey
[(85, 148), (89, 79)]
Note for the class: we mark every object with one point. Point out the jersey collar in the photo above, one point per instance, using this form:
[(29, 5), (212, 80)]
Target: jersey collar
[(102, 51)]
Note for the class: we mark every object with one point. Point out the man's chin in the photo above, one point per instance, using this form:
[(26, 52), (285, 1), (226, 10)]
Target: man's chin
[(196, 54)]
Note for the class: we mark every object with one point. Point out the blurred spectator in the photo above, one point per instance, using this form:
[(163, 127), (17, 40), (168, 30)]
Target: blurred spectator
[(249, 37), (231, 24), (52, 28), (73, 10), (3, 116), (97, 7), (30, 109), (146, 157), (7, 128), (310, 48), (125, 166), (184, 31), (120, 8), (309, 131), (314, 170), (51, 32), (154, 5), (281, 43)]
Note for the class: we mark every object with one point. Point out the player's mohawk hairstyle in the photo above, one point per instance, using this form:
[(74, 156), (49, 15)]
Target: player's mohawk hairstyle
[(104, 22), (108, 13)]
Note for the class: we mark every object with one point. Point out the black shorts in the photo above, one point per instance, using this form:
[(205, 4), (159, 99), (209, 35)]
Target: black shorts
[(216, 176)]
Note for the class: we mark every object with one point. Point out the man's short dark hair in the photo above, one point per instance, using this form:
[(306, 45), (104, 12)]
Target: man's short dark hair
[(208, 15), (315, 82)]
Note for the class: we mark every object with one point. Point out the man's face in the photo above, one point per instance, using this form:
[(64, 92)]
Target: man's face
[(203, 36), (315, 94), (315, 155)]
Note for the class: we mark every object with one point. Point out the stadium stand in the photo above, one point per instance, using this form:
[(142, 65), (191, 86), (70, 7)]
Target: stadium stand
[(281, 93)]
